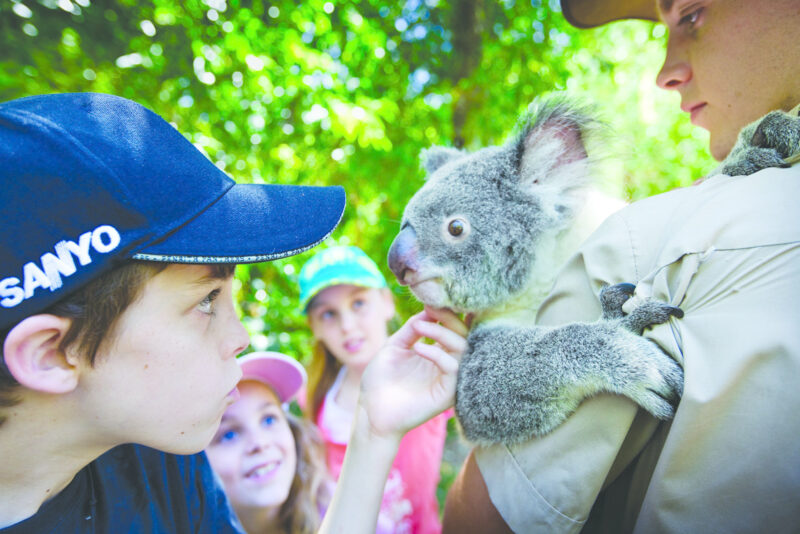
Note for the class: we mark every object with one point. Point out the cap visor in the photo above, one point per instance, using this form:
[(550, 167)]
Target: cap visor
[(593, 13), (252, 223)]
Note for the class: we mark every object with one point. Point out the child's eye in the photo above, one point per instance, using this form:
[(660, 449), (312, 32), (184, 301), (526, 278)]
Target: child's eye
[(327, 315), (207, 304), (269, 420), (227, 437), (359, 303)]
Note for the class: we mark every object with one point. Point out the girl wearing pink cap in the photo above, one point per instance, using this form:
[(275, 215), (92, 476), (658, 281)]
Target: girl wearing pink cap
[(270, 462)]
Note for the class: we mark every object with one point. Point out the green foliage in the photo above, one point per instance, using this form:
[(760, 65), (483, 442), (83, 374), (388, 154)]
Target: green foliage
[(347, 92)]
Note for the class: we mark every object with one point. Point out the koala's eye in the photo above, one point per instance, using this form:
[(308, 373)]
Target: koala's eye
[(456, 227)]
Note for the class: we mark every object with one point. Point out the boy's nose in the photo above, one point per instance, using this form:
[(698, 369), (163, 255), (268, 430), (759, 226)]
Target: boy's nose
[(674, 75), (238, 338), (675, 72)]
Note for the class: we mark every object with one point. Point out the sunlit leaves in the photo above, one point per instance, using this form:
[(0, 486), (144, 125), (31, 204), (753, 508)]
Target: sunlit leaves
[(348, 92)]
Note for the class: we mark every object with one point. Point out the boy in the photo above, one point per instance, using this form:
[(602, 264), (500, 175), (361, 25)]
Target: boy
[(117, 249), (728, 252), (118, 326)]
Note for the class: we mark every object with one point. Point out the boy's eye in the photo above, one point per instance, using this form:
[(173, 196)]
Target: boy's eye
[(207, 304), (691, 18), (327, 315), (359, 303)]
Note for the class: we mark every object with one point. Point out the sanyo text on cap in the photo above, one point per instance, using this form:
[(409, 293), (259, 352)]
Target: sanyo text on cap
[(89, 180)]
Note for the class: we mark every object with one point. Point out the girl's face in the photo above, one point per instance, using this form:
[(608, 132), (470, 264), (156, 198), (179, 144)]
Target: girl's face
[(253, 451), (351, 321)]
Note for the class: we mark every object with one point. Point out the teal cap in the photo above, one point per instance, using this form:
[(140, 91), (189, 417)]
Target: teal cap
[(334, 266)]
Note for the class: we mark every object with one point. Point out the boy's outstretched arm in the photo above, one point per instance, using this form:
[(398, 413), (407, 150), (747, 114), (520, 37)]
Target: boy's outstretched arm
[(407, 383)]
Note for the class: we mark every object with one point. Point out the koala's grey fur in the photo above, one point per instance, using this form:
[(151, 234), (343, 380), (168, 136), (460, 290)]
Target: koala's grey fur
[(522, 209), (771, 141), (523, 381)]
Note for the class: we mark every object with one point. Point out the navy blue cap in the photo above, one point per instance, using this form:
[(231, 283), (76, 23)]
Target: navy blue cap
[(91, 179)]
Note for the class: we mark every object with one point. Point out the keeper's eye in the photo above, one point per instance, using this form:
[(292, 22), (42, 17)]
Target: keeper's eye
[(456, 227)]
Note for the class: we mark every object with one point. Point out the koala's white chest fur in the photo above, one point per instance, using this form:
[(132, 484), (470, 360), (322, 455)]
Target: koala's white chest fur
[(553, 250)]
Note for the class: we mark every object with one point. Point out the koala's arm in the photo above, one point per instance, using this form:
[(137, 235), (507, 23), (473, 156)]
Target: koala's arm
[(771, 141), (518, 383)]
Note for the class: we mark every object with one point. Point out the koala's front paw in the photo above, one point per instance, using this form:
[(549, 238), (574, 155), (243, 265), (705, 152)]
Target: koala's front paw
[(765, 143), (657, 383), (613, 297), (649, 313)]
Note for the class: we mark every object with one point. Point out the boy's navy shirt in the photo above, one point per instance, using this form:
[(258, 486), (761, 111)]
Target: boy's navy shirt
[(136, 489)]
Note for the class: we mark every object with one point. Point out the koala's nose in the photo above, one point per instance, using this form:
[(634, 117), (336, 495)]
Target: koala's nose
[(403, 254)]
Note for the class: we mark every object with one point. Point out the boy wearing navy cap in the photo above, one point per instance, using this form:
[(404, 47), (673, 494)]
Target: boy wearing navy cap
[(116, 315), (101, 350)]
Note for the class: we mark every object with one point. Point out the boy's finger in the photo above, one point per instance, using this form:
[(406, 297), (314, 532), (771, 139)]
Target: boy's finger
[(451, 341), (406, 335), (449, 319), (446, 362)]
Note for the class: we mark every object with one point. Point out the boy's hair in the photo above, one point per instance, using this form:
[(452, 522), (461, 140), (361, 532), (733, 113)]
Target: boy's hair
[(94, 310)]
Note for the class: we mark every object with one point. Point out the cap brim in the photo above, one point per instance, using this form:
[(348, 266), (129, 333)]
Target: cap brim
[(283, 374), (593, 13), (252, 223)]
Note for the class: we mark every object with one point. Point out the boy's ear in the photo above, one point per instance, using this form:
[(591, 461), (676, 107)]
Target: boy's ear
[(32, 354)]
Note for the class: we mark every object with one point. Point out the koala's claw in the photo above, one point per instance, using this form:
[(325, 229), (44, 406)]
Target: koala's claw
[(767, 142), (649, 313), (676, 312), (661, 396), (613, 297)]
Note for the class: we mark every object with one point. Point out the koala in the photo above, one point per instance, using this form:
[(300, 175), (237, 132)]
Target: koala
[(485, 235), (771, 141)]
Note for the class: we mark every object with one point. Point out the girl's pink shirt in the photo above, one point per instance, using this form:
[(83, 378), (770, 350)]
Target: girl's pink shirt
[(409, 499)]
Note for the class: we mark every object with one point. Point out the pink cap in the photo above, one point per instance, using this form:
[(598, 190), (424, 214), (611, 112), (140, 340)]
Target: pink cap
[(282, 373)]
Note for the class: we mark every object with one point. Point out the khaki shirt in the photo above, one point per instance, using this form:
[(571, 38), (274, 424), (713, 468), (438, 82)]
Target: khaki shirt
[(728, 253)]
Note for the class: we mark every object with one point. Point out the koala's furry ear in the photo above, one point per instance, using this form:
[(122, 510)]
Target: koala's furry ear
[(550, 136), (434, 157)]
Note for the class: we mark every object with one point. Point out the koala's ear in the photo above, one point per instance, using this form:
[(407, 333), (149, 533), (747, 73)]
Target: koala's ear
[(551, 137), (434, 157)]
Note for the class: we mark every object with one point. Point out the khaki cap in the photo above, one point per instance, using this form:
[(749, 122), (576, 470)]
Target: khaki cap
[(591, 13)]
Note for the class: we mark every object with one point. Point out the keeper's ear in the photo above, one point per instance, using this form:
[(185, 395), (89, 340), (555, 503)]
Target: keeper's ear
[(32, 354)]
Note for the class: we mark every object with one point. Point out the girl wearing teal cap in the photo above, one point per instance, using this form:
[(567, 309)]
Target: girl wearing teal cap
[(349, 306)]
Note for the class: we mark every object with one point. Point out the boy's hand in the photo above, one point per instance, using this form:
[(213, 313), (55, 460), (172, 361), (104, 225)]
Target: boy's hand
[(409, 381)]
